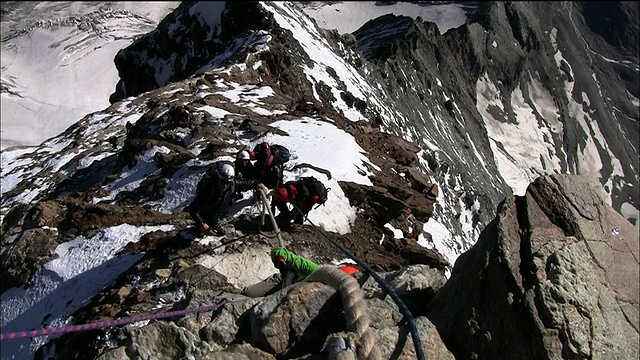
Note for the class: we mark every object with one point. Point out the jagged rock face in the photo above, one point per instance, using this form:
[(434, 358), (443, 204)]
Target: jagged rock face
[(185, 42), (555, 275), (517, 46), (33, 248), (616, 23), (413, 63), (291, 323)]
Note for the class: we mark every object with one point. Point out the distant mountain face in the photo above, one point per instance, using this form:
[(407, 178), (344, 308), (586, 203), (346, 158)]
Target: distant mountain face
[(526, 93), (71, 44), (480, 111)]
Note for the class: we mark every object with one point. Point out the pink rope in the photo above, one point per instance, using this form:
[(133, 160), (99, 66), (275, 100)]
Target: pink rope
[(107, 323)]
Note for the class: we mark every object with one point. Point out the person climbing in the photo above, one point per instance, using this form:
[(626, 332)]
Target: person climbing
[(302, 194), (269, 165), (243, 165), (292, 269), (214, 196)]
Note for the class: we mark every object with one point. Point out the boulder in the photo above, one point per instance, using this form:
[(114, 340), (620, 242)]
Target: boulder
[(555, 275)]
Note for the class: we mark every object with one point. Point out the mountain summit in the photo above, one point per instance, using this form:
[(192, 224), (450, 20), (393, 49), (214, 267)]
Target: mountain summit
[(484, 180)]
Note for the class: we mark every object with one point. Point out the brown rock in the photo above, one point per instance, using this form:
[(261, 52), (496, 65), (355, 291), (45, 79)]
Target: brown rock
[(559, 269)]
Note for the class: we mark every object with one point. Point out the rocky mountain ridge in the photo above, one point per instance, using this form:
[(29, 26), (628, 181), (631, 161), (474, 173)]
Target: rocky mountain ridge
[(539, 260), (454, 74)]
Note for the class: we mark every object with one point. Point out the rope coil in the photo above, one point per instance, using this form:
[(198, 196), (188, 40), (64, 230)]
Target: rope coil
[(354, 306), (402, 307)]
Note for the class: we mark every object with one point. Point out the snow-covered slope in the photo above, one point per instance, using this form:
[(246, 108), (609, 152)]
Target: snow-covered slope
[(349, 16), (72, 45), (57, 61)]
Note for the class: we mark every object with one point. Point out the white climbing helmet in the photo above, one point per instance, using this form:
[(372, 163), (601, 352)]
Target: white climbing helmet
[(243, 155), (226, 172)]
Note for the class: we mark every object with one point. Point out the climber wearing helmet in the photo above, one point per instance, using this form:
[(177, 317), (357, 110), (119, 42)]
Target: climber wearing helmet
[(244, 166), (214, 196), (269, 171)]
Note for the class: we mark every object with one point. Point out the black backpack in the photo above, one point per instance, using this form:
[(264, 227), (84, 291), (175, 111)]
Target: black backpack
[(315, 187), (280, 154)]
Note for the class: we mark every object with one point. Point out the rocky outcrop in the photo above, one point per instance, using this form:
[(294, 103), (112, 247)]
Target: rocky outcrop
[(23, 255), (616, 23), (423, 70), (291, 323), (554, 276), (183, 43)]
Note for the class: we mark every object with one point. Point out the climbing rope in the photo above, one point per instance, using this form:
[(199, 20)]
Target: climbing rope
[(261, 190), (415, 336), (108, 323), (355, 308)]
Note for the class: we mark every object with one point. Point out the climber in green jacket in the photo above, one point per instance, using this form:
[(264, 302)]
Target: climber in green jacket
[(285, 259), (293, 268)]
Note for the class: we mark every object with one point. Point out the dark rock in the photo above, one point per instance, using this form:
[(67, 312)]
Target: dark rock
[(22, 259)]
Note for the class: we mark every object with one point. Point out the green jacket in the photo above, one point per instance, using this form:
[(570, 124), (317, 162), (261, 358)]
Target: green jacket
[(299, 265)]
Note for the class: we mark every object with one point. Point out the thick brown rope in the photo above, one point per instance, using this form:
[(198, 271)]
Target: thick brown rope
[(355, 309)]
